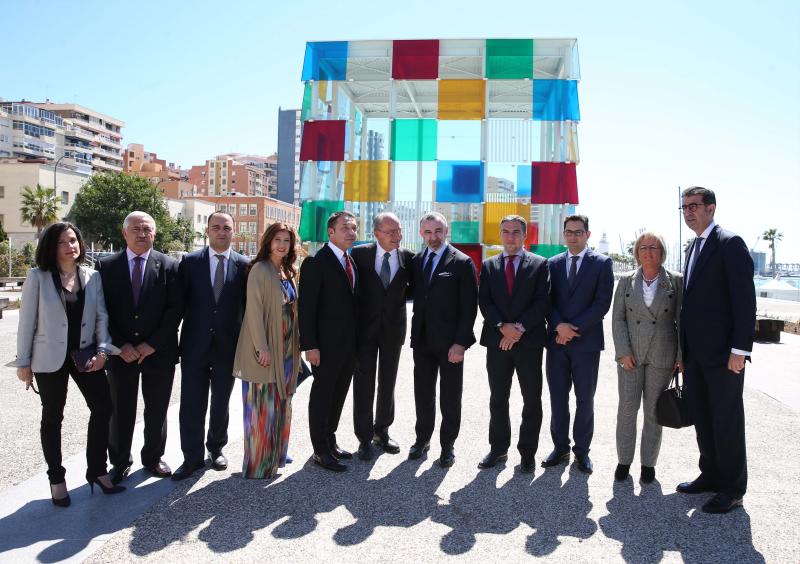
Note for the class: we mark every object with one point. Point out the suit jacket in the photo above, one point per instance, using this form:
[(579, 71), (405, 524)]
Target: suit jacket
[(382, 311), (327, 306), (648, 334), (719, 302), (42, 330), (585, 305), (155, 319), (444, 310), (527, 304), (206, 322)]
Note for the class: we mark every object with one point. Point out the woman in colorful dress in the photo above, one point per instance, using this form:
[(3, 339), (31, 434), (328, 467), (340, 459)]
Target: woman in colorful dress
[(267, 354)]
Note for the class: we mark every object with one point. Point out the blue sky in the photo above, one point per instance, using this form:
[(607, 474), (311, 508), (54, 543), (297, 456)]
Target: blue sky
[(673, 94)]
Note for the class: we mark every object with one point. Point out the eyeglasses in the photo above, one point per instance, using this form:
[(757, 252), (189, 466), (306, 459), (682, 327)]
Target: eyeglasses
[(690, 207), (651, 248), (392, 232), (576, 233)]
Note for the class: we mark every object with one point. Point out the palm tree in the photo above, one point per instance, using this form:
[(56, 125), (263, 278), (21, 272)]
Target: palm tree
[(772, 235), (39, 207)]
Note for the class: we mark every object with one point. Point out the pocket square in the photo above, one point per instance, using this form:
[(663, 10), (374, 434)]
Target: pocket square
[(445, 274)]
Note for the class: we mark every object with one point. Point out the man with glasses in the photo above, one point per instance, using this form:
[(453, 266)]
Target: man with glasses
[(717, 327), (582, 284), (385, 287)]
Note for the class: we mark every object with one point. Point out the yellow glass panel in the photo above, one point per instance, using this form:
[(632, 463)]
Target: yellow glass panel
[(366, 181), (494, 212), (462, 99), (489, 252)]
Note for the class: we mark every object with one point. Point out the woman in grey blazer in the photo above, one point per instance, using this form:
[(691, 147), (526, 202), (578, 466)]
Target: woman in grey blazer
[(63, 331), (647, 306)]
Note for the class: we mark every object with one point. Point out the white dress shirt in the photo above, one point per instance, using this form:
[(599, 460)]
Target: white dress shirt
[(394, 262), (131, 264), (580, 256), (441, 251), (517, 261), (213, 260), (649, 291)]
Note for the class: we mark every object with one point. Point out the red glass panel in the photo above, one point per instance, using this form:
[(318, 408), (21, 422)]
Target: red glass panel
[(416, 59), (475, 252), (323, 140), (554, 183)]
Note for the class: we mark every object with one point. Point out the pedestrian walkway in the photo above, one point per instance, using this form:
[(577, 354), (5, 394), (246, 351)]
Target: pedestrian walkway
[(392, 509)]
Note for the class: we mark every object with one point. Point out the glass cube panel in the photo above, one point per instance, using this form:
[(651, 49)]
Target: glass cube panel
[(459, 140), (548, 251), (414, 181), (305, 109), (511, 140), (494, 212), (323, 180), (461, 58), (462, 99), (459, 181), (554, 183), (465, 231), (555, 100), (510, 99), (370, 139), (323, 141), (325, 60), (414, 139), (491, 251), (556, 58), (475, 252), (314, 219), (369, 60), (509, 58), (501, 183), (415, 98), (524, 181), (415, 59), (366, 181)]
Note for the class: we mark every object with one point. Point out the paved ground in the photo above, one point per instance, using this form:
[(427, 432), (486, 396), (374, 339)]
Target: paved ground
[(393, 509)]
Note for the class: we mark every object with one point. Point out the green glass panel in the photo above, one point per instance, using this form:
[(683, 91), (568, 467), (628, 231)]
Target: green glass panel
[(305, 110), (314, 219), (548, 251), (465, 232), (413, 140), (509, 58)]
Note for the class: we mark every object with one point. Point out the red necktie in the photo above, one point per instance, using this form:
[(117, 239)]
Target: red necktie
[(348, 268), (510, 273)]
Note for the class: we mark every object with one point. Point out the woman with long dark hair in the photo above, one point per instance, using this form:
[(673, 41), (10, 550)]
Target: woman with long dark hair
[(63, 332), (268, 353)]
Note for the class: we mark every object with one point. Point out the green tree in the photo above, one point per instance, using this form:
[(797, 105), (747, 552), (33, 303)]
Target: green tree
[(39, 207), (772, 235), (182, 231), (104, 201), (3, 234)]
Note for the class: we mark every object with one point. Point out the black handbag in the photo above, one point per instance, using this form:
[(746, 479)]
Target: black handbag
[(672, 408)]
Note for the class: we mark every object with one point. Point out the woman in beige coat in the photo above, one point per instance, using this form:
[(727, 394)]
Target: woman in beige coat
[(267, 354), (645, 315)]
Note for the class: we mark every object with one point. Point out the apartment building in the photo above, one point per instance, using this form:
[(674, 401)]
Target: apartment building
[(288, 173), (227, 174), (167, 176), (197, 211)]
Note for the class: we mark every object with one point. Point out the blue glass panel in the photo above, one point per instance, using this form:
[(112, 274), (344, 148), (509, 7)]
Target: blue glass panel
[(524, 180), (325, 60), (555, 100), (459, 181)]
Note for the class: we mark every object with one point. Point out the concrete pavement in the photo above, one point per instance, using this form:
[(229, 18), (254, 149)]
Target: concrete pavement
[(392, 509)]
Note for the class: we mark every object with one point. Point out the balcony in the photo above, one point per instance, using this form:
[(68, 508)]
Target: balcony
[(106, 153), (79, 133), (106, 140), (104, 165)]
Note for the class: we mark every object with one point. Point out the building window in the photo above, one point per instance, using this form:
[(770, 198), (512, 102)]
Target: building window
[(130, 153), (2, 219), (242, 209), (211, 182), (224, 182), (253, 209), (224, 164), (2, 191), (222, 208), (199, 219), (64, 198), (252, 248)]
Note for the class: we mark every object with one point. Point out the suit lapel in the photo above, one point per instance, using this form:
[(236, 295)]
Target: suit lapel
[(125, 276), (204, 271), (661, 293), (524, 262), (446, 259), (638, 294), (709, 247), (326, 251), (586, 264), (151, 270)]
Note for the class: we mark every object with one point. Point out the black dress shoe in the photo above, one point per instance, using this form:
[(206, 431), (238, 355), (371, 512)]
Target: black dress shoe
[(491, 459), (527, 464), (417, 450), (218, 461), (387, 444), (365, 451), (721, 503), (448, 457), (584, 463), (699, 485), (555, 458), (160, 470), (621, 472), (329, 462), (648, 474), (119, 473), (186, 469), (340, 454)]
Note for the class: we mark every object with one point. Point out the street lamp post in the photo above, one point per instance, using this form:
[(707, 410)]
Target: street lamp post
[(55, 170)]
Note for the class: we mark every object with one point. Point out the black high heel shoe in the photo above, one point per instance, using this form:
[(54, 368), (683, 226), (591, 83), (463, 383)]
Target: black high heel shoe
[(106, 490), (62, 501)]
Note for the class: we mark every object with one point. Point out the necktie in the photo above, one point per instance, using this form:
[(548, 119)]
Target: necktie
[(136, 279), (219, 277), (429, 268), (348, 268), (510, 273), (573, 272), (693, 260), (386, 271)]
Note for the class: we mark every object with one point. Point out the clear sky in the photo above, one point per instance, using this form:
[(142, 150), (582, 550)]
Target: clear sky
[(672, 94)]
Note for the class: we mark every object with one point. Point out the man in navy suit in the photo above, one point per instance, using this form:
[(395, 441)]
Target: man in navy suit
[(582, 283), (513, 296), (213, 283), (717, 329)]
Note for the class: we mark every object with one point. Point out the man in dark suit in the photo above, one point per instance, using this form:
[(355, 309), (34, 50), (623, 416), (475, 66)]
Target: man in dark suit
[(582, 283), (445, 306), (143, 299), (717, 328), (513, 296), (327, 311), (383, 291), (213, 283)]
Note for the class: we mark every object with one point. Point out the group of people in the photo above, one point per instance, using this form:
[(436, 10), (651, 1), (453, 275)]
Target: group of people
[(346, 312)]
